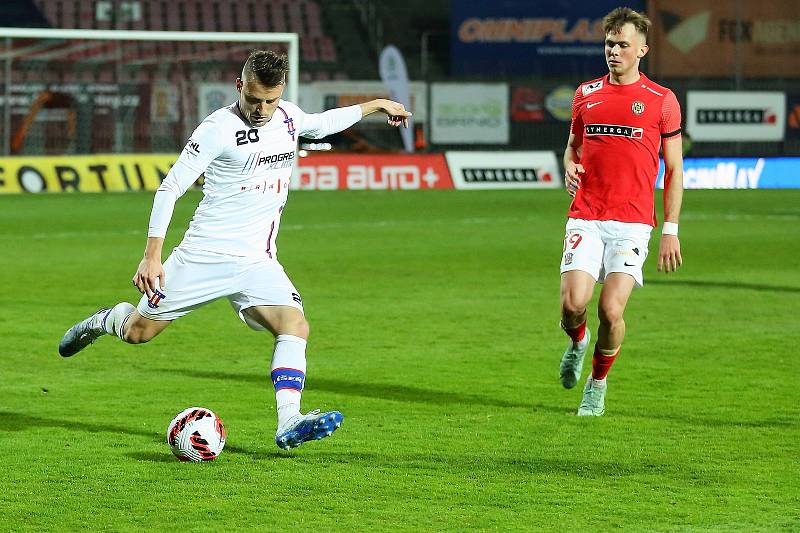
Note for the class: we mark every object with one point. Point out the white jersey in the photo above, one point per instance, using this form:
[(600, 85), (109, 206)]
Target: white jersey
[(247, 173)]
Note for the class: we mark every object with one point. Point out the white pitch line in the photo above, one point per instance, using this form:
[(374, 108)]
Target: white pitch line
[(286, 227)]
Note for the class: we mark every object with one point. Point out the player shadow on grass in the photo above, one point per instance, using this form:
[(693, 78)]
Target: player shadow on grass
[(510, 462), (380, 391), (404, 393), (10, 421), (716, 284)]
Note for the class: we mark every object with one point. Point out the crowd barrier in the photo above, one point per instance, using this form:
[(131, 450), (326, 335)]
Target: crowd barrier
[(331, 171), (326, 171)]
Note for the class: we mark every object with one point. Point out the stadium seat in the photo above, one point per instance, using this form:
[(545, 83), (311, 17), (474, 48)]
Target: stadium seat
[(277, 19), (312, 11), (191, 15), (226, 19), (295, 18), (327, 50), (308, 49)]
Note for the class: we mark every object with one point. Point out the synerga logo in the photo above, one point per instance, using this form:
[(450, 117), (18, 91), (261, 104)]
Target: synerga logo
[(613, 130), (738, 173)]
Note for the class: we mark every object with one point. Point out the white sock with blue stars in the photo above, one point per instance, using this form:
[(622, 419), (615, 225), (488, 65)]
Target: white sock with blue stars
[(288, 375)]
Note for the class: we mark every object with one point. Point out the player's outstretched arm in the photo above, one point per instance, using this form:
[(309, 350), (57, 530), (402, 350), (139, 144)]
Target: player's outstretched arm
[(397, 113), (669, 250)]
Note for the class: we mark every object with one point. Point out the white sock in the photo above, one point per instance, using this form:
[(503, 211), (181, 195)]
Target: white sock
[(288, 375), (116, 318)]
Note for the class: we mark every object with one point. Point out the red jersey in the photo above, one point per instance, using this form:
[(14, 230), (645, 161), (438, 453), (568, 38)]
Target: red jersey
[(620, 129)]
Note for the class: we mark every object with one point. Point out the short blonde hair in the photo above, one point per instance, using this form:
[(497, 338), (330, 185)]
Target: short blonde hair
[(613, 22)]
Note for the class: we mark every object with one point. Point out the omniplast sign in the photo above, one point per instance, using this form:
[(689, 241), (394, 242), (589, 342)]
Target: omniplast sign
[(522, 37), (329, 172)]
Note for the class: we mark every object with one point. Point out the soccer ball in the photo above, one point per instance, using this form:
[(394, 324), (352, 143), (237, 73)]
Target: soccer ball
[(196, 435)]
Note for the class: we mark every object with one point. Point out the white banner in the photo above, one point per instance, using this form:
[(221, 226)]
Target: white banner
[(736, 116), (212, 96), (395, 77), (504, 170), (318, 96), (469, 113)]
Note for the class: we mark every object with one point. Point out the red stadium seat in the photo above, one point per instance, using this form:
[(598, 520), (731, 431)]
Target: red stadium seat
[(327, 50), (308, 49)]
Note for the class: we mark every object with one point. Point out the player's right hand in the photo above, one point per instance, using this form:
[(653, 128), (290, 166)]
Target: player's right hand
[(572, 178), (150, 276)]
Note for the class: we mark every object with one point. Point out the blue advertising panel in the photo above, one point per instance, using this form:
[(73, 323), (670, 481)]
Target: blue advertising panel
[(738, 173), (530, 37)]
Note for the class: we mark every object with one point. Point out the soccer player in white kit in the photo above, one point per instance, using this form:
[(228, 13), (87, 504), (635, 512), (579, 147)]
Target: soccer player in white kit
[(246, 151)]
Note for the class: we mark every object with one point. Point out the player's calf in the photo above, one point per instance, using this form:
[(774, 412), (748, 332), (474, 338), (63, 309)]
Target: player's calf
[(571, 365)]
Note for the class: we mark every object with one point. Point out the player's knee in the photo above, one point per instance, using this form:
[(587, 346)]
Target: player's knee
[(610, 314), (571, 308), (300, 327), (292, 323)]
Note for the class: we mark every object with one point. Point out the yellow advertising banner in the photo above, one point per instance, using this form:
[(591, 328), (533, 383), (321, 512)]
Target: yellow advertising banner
[(705, 38), (84, 173)]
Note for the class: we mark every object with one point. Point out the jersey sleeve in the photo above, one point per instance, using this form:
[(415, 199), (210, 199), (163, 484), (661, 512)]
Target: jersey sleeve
[(670, 116), (576, 126), (318, 125), (203, 147)]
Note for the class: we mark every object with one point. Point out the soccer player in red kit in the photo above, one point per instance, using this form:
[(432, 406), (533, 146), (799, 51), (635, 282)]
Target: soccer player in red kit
[(619, 122)]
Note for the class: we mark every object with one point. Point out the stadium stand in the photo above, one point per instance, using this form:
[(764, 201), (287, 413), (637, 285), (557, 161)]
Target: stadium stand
[(305, 17)]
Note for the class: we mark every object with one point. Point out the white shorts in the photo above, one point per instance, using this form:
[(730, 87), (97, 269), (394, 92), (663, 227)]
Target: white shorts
[(600, 247), (195, 278)]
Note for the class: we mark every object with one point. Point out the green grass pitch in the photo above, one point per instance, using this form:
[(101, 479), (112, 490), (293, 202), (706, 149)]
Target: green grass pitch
[(434, 320)]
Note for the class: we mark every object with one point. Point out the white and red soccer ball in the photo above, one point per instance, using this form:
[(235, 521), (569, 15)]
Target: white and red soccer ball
[(196, 435)]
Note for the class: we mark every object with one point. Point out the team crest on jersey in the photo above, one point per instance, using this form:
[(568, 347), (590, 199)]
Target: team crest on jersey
[(637, 107), (589, 88), (290, 126), (289, 121)]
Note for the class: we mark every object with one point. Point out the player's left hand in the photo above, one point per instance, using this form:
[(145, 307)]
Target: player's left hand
[(669, 254), (397, 113)]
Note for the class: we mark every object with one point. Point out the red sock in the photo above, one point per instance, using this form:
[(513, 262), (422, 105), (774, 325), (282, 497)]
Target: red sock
[(577, 333), (601, 364)]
